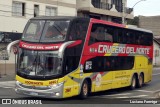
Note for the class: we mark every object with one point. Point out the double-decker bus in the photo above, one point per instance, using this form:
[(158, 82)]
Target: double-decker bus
[(60, 57)]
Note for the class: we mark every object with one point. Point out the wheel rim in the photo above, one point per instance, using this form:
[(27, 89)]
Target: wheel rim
[(140, 80), (134, 82), (85, 89)]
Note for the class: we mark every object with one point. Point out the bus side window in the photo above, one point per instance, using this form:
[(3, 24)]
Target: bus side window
[(100, 33), (108, 34), (93, 35), (148, 39), (78, 30), (119, 36)]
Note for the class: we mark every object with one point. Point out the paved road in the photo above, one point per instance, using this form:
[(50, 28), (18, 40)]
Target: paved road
[(117, 96)]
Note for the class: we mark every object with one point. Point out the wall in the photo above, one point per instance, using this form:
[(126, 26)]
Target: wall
[(156, 60), (9, 23), (151, 23)]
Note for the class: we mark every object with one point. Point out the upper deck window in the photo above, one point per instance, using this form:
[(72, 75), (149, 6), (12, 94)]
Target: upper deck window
[(100, 33), (45, 31), (33, 31), (55, 31)]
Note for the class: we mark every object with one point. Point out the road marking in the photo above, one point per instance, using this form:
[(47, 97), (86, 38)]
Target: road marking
[(157, 91), (138, 96), (156, 68), (117, 94), (156, 74), (8, 87), (145, 91), (123, 97), (7, 84)]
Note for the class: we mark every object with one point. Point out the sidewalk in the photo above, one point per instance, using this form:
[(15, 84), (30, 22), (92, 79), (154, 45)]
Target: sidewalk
[(7, 77)]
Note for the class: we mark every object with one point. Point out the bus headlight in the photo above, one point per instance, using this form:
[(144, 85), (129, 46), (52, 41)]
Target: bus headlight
[(57, 94), (17, 82), (56, 85)]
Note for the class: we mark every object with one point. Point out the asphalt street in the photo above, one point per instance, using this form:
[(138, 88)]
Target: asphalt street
[(149, 92)]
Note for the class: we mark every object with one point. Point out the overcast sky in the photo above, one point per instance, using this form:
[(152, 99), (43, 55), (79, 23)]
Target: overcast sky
[(145, 8)]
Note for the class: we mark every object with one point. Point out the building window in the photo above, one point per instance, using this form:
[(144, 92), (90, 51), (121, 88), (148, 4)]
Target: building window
[(36, 10), (51, 11), (18, 9), (118, 4)]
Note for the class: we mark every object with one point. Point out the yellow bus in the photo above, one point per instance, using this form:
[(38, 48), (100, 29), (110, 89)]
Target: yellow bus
[(60, 57)]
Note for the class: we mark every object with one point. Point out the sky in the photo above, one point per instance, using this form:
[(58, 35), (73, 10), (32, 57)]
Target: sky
[(145, 8)]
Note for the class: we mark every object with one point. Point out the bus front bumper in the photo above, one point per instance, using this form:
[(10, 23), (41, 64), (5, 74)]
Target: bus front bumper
[(55, 91)]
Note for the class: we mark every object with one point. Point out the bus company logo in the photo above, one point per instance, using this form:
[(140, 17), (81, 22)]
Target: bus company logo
[(39, 47), (67, 90), (53, 82), (122, 50), (33, 83)]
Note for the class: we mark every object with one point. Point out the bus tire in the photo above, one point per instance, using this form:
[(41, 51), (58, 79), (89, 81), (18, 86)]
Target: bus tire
[(84, 90), (140, 81), (133, 83)]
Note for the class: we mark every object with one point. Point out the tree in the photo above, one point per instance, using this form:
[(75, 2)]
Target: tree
[(134, 21)]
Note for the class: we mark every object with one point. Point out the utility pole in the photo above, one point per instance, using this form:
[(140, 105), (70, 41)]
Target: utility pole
[(123, 10)]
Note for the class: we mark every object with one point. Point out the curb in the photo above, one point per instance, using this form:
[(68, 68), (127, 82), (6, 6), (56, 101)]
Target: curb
[(157, 94)]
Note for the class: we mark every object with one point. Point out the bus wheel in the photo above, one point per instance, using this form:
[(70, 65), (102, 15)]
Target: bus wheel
[(133, 83), (140, 81), (84, 90)]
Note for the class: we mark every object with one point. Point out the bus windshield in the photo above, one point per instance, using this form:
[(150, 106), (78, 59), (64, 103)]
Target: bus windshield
[(39, 63), (45, 31)]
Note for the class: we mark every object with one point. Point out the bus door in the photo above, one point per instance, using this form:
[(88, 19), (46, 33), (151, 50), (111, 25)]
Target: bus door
[(72, 78), (107, 74)]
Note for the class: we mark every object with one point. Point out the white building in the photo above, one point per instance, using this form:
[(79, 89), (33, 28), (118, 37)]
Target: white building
[(156, 53), (14, 14)]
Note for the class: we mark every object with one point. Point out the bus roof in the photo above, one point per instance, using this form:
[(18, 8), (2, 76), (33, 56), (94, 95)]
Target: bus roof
[(57, 18), (103, 21), (138, 29), (53, 17), (132, 27)]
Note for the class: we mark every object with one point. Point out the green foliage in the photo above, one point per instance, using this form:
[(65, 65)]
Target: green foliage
[(134, 21)]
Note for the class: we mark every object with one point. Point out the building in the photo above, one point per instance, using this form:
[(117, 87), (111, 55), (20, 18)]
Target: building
[(151, 23), (111, 10), (14, 15), (156, 52)]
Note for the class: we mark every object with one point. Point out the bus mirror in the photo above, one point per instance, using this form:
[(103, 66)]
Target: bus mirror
[(15, 49)]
